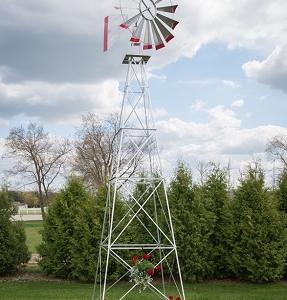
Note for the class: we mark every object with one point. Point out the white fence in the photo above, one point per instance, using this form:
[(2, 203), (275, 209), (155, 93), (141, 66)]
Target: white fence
[(29, 211), (28, 214), (27, 218)]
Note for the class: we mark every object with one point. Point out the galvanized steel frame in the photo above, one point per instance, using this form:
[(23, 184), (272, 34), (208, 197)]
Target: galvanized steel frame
[(122, 176)]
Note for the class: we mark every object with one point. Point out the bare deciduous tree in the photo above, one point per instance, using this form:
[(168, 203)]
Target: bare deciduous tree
[(277, 149), (39, 158), (97, 146), (202, 168)]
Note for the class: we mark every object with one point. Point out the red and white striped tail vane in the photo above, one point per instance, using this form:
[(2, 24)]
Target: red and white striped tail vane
[(112, 30), (106, 33), (149, 22)]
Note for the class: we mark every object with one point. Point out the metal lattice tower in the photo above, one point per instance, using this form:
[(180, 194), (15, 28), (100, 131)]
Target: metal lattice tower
[(137, 182)]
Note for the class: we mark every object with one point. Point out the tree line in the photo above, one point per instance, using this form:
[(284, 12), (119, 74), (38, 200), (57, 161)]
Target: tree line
[(237, 233), (41, 160)]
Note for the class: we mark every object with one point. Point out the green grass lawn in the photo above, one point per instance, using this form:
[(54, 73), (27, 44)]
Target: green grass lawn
[(62, 290), (35, 290), (33, 235)]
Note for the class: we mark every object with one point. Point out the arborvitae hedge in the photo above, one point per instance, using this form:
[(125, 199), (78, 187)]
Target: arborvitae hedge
[(282, 191), (58, 231), (67, 242), (217, 201), (282, 198), (143, 192), (72, 232), (219, 234), (13, 250), (259, 233), (193, 225)]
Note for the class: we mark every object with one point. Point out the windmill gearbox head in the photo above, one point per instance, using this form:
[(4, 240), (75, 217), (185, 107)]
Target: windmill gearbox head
[(149, 22)]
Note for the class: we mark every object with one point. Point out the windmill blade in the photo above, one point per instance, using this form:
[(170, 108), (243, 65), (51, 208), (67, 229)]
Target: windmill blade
[(138, 32), (157, 38), (147, 39), (131, 21), (168, 9), (165, 33), (168, 21)]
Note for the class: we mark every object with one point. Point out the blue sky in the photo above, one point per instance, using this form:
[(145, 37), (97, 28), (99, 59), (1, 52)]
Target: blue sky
[(219, 89), (203, 77)]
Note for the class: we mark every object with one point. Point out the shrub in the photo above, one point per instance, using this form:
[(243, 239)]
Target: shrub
[(192, 225), (282, 198), (259, 243), (72, 233), (282, 191), (60, 230), (13, 250), (217, 202)]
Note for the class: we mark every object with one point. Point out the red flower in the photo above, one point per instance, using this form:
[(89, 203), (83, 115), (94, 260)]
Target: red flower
[(170, 297), (177, 298), (158, 268), (150, 272), (135, 259), (146, 256)]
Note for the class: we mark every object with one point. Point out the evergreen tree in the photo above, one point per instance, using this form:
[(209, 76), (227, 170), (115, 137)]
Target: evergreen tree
[(13, 250), (218, 204), (192, 225), (59, 229), (86, 237), (282, 198), (282, 191), (259, 240), (143, 193), (72, 233)]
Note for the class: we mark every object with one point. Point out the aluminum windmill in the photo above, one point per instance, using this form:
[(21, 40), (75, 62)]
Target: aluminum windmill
[(137, 179)]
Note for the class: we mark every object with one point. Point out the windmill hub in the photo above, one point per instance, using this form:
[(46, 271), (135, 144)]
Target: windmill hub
[(148, 9)]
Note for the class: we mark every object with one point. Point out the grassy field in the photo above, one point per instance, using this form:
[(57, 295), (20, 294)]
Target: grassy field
[(35, 290), (34, 238)]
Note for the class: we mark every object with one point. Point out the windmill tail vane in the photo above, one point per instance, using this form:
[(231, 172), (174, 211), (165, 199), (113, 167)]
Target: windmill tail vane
[(112, 31), (150, 23), (106, 33)]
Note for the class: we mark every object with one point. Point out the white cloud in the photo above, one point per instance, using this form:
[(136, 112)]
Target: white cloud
[(211, 81), (155, 76), (271, 71), (197, 82), (2, 142), (3, 123), (229, 22), (222, 118), (221, 138), (159, 113), (57, 102), (230, 83), (47, 45), (198, 105), (237, 103), (65, 36), (3, 164)]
